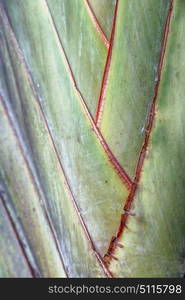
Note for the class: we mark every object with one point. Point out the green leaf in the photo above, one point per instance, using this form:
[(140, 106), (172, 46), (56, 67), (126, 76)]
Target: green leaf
[(130, 77), (59, 200), (65, 174), (26, 197), (154, 238), (86, 51), (66, 146), (12, 259), (104, 12)]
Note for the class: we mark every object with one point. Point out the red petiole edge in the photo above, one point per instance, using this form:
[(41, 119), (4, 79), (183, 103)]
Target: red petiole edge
[(112, 159), (151, 117), (101, 100), (96, 23)]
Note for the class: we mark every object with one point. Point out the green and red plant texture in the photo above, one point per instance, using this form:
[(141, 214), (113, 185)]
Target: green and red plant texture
[(92, 138)]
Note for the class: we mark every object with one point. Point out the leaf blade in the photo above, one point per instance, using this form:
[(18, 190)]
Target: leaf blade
[(131, 78), (89, 148), (154, 240), (12, 260), (85, 49)]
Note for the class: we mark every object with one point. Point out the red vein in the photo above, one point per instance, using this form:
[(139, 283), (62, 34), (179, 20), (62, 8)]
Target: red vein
[(101, 100), (32, 268), (96, 23), (112, 159), (70, 193), (148, 130)]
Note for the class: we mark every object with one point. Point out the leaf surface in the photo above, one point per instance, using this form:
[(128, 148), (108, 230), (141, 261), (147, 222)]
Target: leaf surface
[(86, 52), (21, 186), (12, 260), (129, 79), (154, 238), (104, 12), (68, 175), (73, 169)]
